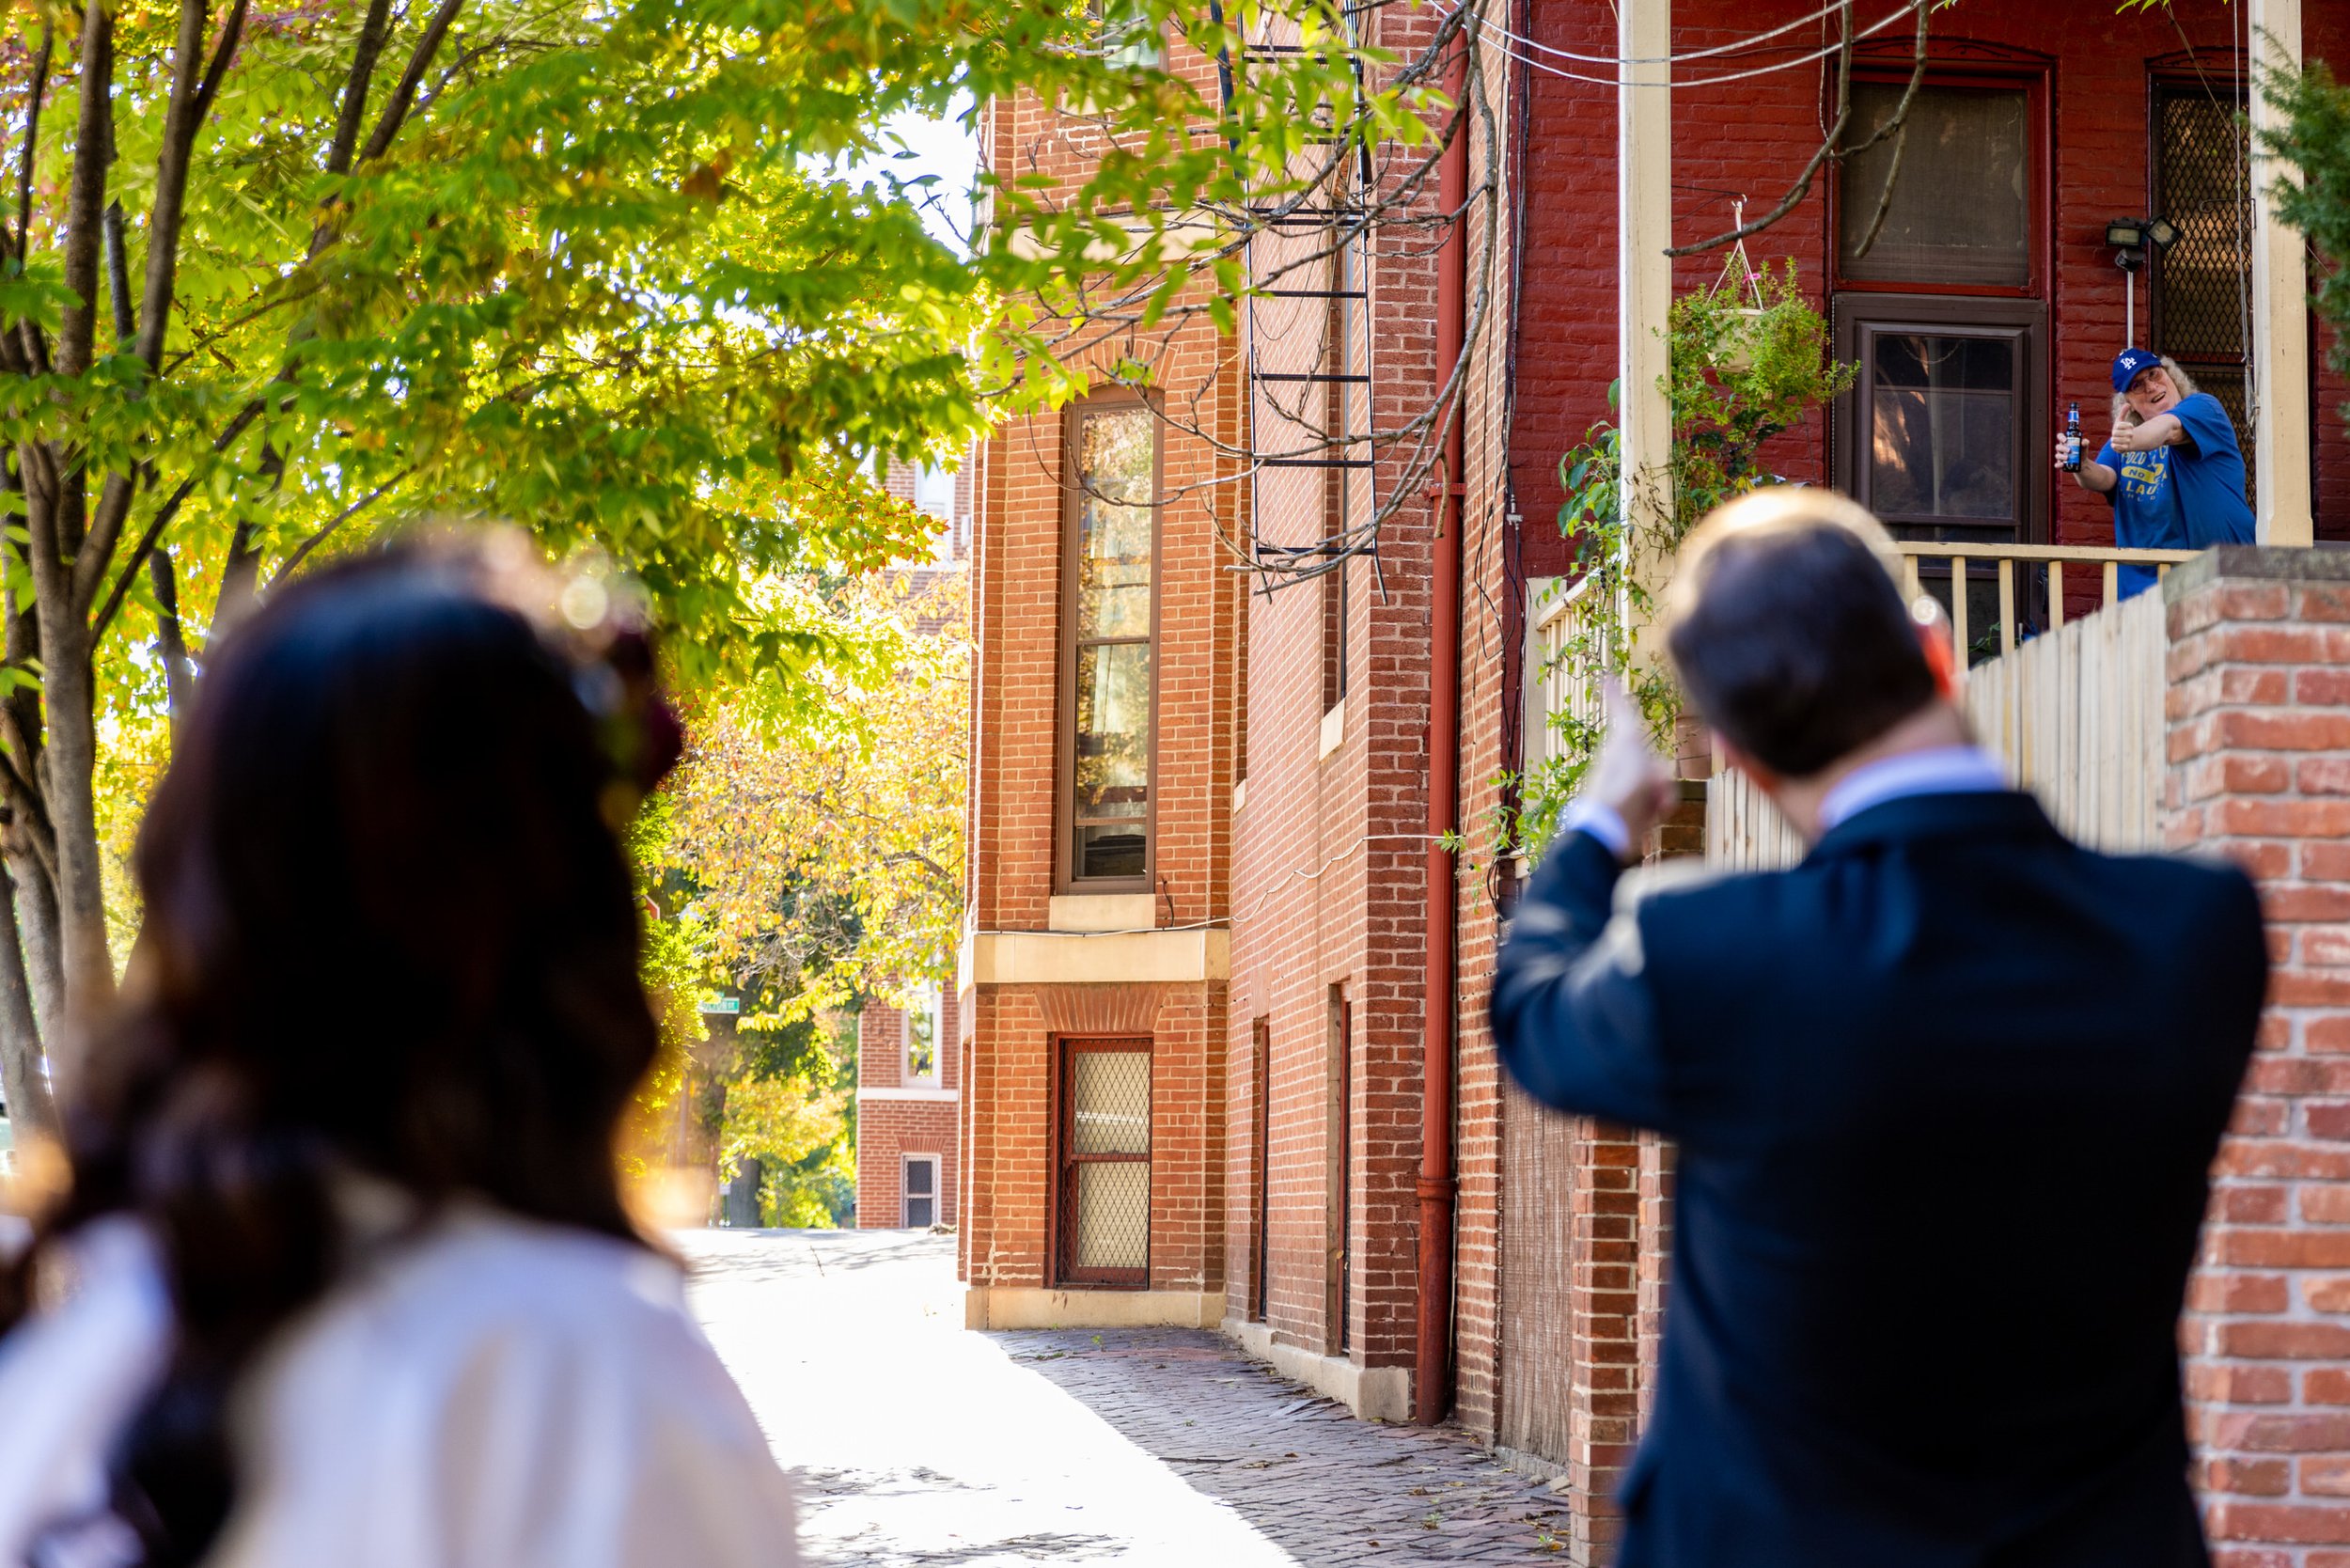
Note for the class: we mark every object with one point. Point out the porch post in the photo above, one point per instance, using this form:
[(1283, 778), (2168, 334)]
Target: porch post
[(1644, 172), (2280, 321)]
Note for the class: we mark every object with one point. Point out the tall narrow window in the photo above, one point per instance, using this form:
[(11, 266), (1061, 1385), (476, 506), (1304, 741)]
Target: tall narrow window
[(2202, 285), (1105, 1142), (921, 1021), (1112, 613)]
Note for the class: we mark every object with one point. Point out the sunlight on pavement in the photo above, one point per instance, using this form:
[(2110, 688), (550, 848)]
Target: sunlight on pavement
[(915, 1441)]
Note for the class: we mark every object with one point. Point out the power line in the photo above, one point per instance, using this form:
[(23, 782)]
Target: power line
[(1679, 83), (1738, 46)]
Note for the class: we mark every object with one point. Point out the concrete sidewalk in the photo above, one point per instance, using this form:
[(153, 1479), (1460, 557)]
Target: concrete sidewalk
[(918, 1442)]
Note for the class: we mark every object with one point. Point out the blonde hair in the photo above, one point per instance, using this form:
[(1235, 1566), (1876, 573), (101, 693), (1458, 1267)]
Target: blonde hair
[(2125, 414), (1777, 508)]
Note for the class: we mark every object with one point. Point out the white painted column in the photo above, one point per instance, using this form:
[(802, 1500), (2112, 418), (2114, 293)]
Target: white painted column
[(1644, 172), (2280, 319)]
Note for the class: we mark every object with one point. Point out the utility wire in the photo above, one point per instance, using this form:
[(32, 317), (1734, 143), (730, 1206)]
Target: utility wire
[(1739, 46), (1680, 83)]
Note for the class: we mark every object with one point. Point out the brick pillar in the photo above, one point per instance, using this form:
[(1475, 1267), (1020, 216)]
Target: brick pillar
[(2258, 747), (1657, 1154), (1604, 1309)]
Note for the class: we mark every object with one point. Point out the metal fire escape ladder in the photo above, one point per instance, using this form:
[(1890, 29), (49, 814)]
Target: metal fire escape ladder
[(1283, 434)]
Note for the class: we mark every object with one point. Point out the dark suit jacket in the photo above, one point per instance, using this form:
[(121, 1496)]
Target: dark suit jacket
[(1945, 1094)]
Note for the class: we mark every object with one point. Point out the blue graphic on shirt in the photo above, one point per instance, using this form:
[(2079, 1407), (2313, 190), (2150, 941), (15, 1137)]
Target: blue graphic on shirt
[(2181, 498)]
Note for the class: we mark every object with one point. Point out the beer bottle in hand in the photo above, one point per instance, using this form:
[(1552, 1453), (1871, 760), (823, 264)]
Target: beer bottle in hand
[(2071, 438)]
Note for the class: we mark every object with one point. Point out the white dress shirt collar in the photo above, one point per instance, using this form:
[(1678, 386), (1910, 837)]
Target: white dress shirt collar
[(1945, 770)]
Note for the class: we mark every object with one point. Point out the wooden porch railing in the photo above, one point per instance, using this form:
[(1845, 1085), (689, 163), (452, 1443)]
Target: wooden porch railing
[(2074, 714), (2106, 563)]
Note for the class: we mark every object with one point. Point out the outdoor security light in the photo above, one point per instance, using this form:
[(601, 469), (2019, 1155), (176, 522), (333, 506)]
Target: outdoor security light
[(2131, 238)]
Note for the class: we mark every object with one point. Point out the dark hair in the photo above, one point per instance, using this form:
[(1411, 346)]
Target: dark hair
[(1788, 633), (389, 931)]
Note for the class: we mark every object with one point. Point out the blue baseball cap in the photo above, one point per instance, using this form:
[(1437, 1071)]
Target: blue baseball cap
[(2128, 363)]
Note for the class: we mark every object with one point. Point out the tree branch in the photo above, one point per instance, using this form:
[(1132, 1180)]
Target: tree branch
[(1831, 145), (190, 98), (232, 34), (171, 638), (164, 514), (32, 142), (117, 265), (404, 93), (303, 549), (86, 198), (372, 32)]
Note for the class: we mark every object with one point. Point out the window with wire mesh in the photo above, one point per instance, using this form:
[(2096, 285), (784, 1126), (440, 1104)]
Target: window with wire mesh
[(1104, 1141), (2201, 286)]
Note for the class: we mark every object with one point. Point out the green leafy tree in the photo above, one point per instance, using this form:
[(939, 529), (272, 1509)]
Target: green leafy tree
[(269, 278), (2313, 139), (821, 864)]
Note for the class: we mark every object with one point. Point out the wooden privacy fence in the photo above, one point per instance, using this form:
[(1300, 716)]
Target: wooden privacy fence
[(2076, 714)]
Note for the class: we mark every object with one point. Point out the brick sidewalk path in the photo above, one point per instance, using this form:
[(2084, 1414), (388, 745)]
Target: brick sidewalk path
[(917, 1444), (1300, 1468)]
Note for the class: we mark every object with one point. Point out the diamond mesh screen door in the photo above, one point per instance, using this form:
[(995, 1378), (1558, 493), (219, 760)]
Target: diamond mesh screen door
[(2203, 282), (1104, 1139)]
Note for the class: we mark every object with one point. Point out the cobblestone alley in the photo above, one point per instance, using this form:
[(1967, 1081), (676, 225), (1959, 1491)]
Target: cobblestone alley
[(916, 1442)]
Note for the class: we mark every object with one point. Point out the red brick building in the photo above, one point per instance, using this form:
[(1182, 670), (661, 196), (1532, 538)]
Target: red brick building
[(907, 1129), (1204, 975)]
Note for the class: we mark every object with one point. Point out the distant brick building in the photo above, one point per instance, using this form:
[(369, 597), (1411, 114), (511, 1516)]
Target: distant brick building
[(1202, 959), (906, 1122)]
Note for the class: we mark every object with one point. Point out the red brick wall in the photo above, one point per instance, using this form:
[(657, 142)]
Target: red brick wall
[(886, 1131), (1017, 499), (2260, 751)]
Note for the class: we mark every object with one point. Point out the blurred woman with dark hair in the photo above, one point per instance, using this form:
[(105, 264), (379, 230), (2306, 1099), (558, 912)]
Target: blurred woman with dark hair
[(343, 1276)]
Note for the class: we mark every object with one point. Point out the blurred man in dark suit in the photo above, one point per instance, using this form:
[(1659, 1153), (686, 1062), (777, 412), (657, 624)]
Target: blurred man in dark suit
[(1945, 1094)]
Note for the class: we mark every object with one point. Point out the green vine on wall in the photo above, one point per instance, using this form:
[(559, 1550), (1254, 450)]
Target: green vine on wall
[(1749, 358)]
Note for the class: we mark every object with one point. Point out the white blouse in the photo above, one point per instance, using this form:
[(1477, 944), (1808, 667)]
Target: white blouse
[(493, 1393)]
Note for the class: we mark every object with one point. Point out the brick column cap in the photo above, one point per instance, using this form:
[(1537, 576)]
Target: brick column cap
[(2275, 563)]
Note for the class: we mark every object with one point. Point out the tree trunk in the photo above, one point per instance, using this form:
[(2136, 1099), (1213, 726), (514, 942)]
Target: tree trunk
[(172, 641), (69, 763), (35, 908), (31, 1110)]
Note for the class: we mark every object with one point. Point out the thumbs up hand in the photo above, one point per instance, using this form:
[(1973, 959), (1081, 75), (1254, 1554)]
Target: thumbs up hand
[(1628, 777)]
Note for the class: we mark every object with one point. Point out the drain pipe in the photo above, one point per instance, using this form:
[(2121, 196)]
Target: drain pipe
[(1432, 1376)]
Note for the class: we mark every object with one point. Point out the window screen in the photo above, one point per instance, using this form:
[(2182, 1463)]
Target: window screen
[(1113, 598), (1961, 207)]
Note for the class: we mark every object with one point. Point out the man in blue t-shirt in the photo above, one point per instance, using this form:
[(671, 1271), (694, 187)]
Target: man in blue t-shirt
[(2171, 470)]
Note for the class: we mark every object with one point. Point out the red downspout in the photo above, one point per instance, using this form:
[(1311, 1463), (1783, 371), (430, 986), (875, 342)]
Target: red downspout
[(1432, 1377)]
